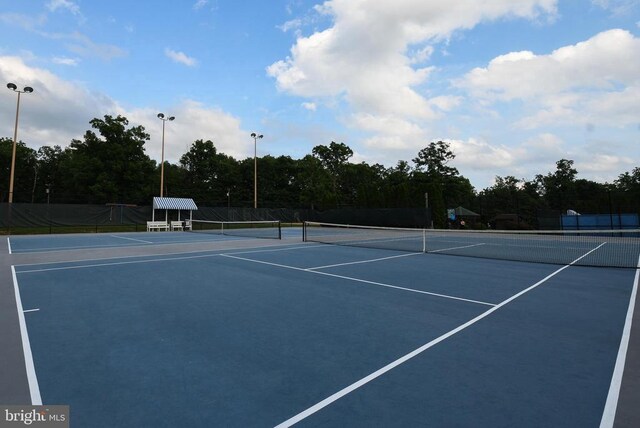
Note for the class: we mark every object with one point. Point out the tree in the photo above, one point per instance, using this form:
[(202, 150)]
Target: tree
[(208, 174), (314, 183), (627, 189), (559, 187), (431, 174), (433, 160), (49, 159), (113, 168), (277, 186), (363, 185), (333, 159), (25, 172), (397, 186)]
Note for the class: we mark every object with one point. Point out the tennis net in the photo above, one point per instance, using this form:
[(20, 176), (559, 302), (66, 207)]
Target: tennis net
[(249, 229), (605, 248)]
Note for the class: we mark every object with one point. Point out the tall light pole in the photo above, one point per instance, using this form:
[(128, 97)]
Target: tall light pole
[(164, 120), (255, 168), (26, 90)]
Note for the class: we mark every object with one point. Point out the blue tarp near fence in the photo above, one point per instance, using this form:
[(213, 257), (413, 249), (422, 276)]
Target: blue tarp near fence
[(600, 221)]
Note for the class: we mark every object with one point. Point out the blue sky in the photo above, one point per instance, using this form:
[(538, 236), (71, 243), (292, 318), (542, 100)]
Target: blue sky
[(513, 86)]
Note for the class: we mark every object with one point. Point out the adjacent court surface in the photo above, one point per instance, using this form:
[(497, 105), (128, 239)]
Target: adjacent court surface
[(204, 331)]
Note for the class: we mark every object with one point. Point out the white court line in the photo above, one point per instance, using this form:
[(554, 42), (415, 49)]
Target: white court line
[(324, 403), (31, 310), (131, 262), (9, 244), (132, 239), (34, 389), (363, 261), (455, 248), (348, 278), (77, 247), (611, 405), (164, 259)]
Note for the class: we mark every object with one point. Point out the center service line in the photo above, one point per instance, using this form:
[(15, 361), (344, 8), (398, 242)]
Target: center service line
[(324, 403)]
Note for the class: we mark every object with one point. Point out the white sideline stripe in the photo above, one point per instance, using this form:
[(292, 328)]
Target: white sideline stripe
[(455, 248), (9, 244), (313, 409), (131, 239), (611, 405), (31, 310), (34, 389), (363, 261), (444, 296)]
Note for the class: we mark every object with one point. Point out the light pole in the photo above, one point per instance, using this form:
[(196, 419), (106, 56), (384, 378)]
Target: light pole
[(26, 90), (255, 168), (164, 120)]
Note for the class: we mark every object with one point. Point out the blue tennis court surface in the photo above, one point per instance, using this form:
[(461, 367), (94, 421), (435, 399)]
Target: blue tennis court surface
[(321, 335), (44, 243)]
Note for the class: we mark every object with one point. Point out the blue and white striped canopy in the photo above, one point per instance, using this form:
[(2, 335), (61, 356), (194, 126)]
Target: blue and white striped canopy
[(174, 204)]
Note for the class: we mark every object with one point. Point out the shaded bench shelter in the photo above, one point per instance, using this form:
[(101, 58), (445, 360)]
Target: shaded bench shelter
[(173, 204), (463, 214)]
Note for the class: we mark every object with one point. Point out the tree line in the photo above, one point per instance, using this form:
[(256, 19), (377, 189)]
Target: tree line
[(109, 165)]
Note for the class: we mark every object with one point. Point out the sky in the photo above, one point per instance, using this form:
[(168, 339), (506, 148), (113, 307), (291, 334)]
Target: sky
[(512, 85)]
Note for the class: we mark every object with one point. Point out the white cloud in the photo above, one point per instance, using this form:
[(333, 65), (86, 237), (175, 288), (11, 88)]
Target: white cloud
[(69, 6), (477, 154), (595, 81), (310, 106), (43, 122), (446, 102), (617, 7), (293, 24), (180, 57), (26, 22), (82, 45), (72, 7), (200, 4), (602, 62), (421, 55), (367, 57), (66, 61)]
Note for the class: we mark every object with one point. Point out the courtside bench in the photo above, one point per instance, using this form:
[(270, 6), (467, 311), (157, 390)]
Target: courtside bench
[(157, 225)]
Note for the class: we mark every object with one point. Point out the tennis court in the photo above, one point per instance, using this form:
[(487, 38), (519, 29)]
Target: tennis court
[(213, 330)]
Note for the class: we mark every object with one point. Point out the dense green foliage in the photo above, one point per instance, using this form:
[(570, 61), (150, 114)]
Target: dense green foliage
[(109, 165)]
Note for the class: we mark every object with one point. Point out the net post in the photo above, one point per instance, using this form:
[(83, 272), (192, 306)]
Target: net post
[(304, 231), (424, 240), (279, 229)]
